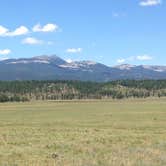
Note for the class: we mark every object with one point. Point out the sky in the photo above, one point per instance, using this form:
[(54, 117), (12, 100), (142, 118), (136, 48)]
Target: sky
[(111, 32)]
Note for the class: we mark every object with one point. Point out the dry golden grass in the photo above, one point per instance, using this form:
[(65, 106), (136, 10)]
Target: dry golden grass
[(95, 133)]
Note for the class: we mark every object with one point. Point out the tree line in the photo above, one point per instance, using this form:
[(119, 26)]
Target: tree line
[(68, 90)]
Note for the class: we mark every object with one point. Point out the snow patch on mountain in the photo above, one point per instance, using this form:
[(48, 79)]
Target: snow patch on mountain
[(125, 67), (155, 68), (28, 61), (78, 64)]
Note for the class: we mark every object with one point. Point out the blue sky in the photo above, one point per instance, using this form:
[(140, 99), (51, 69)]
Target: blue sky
[(108, 31)]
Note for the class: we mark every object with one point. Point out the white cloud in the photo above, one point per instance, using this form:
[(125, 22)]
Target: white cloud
[(5, 52), (144, 57), (22, 30), (150, 2), (45, 28), (121, 60), (74, 50), (135, 58), (32, 41), (3, 31)]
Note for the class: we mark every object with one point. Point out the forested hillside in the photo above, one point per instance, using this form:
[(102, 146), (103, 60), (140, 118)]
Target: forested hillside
[(68, 90)]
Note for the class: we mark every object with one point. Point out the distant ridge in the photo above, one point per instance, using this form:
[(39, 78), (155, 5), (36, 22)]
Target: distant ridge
[(52, 67)]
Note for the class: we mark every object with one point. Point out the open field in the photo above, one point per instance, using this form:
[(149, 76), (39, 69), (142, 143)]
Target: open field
[(89, 133)]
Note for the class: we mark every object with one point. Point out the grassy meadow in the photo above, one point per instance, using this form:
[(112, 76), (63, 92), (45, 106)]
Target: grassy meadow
[(83, 133)]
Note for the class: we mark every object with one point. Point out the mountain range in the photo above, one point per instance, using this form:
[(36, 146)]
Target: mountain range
[(55, 68)]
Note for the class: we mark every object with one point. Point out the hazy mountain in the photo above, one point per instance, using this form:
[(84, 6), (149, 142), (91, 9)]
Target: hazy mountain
[(53, 67)]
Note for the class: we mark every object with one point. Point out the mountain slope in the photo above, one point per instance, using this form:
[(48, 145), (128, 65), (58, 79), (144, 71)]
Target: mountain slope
[(54, 68)]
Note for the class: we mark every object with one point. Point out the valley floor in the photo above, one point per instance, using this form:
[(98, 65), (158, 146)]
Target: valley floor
[(89, 133)]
